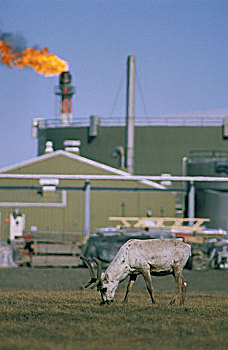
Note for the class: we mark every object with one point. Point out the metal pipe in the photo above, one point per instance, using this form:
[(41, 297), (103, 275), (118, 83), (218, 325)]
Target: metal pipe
[(184, 187), (119, 150), (191, 202), (87, 208), (130, 114), (117, 177)]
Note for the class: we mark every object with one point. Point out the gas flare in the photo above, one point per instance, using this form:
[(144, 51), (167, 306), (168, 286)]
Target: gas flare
[(40, 60)]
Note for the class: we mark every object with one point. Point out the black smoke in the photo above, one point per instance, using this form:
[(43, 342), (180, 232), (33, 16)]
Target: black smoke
[(16, 41)]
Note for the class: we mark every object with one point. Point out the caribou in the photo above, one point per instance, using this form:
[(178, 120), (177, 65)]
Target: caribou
[(150, 257)]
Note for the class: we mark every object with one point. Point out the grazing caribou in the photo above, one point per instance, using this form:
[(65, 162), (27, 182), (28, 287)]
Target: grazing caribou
[(157, 257)]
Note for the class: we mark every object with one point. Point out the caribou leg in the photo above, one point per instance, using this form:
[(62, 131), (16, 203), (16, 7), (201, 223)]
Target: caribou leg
[(184, 287), (177, 273), (129, 286), (147, 277)]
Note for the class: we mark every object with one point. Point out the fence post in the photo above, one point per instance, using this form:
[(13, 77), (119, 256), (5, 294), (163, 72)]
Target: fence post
[(87, 208)]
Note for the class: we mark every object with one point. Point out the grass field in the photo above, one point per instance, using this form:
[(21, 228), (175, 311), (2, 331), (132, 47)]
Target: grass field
[(74, 320)]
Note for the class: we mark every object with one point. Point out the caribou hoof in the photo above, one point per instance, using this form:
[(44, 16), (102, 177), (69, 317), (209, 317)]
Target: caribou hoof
[(108, 302)]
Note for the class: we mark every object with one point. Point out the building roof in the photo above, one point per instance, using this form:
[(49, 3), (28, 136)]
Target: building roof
[(16, 167)]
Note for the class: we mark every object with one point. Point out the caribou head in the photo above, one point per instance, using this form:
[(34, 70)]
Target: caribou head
[(100, 281)]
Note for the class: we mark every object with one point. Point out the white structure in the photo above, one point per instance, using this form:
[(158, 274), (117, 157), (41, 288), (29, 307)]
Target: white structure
[(17, 225)]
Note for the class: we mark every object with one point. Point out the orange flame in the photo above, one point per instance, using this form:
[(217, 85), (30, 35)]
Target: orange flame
[(40, 60)]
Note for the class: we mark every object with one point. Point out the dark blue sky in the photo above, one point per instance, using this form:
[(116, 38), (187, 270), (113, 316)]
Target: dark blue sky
[(181, 55)]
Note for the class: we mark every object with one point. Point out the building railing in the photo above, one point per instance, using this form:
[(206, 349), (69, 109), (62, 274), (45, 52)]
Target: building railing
[(195, 156), (190, 120)]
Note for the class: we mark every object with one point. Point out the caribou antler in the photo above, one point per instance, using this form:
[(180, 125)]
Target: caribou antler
[(98, 263), (94, 280), (91, 272)]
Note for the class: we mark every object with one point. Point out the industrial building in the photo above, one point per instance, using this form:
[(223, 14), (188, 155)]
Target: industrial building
[(173, 144), (72, 207), (160, 144), (152, 145), (187, 144)]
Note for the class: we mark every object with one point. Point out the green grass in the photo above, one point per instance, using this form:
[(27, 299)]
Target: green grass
[(73, 320)]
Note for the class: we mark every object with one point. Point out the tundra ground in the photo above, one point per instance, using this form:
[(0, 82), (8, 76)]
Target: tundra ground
[(42, 314)]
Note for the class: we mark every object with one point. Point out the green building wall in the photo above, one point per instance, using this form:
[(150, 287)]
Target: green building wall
[(158, 149)]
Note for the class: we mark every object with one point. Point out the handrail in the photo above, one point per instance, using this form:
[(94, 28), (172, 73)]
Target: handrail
[(166, 120)]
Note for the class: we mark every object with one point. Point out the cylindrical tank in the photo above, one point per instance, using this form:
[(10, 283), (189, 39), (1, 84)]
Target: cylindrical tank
[(211, 197)]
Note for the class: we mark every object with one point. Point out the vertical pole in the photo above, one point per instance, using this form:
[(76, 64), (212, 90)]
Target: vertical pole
[(184, 183), (130, 111), (123, 208), (191, 202), (87, 208)]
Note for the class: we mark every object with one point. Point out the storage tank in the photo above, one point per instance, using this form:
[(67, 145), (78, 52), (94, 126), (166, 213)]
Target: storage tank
[(211, 197)]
